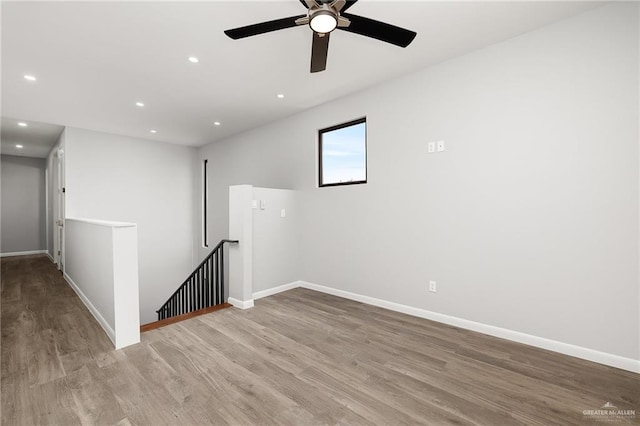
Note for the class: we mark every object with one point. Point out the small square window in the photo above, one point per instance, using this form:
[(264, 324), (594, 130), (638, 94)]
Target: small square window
[(343, 154)]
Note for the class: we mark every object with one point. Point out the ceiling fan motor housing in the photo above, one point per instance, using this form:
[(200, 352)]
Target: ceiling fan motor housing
[(323, 19)]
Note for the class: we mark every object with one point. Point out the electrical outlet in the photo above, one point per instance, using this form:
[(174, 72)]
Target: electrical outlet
[(254, 204), (431, 147), (433, 287), (283, 213)]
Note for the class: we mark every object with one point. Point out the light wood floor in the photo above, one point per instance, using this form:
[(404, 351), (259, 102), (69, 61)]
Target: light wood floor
[(297, 358)]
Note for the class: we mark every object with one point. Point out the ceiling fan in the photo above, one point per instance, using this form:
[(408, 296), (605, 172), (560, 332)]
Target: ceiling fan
[(324, 16)]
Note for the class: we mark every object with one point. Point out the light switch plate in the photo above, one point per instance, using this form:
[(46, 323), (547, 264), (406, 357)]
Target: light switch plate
[(440, 146), (254, 204), (263, 205)]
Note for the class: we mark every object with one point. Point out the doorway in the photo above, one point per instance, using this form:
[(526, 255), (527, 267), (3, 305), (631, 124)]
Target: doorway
[(59, 214)]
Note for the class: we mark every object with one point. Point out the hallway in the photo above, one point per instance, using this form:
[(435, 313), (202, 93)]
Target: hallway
[(49, 342)]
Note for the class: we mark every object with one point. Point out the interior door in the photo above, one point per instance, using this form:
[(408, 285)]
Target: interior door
[(60, 212)]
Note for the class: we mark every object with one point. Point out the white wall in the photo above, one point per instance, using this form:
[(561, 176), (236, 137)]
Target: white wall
[(126, 179), (276, 245), (23, 200), (528, 221), (102, 268), (266, 223), (90, 268), (240, 276)]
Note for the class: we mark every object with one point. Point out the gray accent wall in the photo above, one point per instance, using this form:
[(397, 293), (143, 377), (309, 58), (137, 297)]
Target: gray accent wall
[(529, 221), (23, 225)]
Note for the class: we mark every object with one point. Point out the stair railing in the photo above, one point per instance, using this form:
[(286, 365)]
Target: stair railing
[(202, 289)]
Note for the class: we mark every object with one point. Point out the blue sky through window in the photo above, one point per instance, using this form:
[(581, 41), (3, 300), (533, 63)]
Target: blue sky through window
[(344, 155)]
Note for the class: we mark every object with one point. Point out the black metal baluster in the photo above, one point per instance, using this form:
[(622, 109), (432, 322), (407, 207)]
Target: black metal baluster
[(214, 277), (218, 277), (222, 274), (195, 291), (193, 298), (205, 276), (199, 288), (205, 269), (212, 280), (214, 285), (188, 297)]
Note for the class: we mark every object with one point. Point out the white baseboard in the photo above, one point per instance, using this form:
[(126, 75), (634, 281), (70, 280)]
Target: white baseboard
[(23, 253), (612, 360), (276, 290), (50, 257), (96, 314), (241, 304)]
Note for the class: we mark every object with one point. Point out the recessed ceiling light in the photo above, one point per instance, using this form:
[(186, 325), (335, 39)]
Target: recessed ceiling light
[(140, 104), (280, 96), (29, 77), (193, 59), (19, 146), (216, 123), (153, 131), (22, 124)]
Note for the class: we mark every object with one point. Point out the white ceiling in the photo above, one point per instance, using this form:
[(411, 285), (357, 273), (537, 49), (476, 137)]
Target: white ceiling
[(36, 139), (94, 60)]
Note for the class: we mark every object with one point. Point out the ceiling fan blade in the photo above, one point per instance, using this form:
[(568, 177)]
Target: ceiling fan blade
[(308, 3), (263, 27), (379, 30), (319, 50)]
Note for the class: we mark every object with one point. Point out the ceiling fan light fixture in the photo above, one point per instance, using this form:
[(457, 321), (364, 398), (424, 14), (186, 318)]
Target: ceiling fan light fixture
[(323, 21)]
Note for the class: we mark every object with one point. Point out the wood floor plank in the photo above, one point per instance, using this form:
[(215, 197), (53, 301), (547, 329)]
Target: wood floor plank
[(95, 402), (54, 404), (43, 359), (296, 358)]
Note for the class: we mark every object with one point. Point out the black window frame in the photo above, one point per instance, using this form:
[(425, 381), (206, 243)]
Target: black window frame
[(321, 132)]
